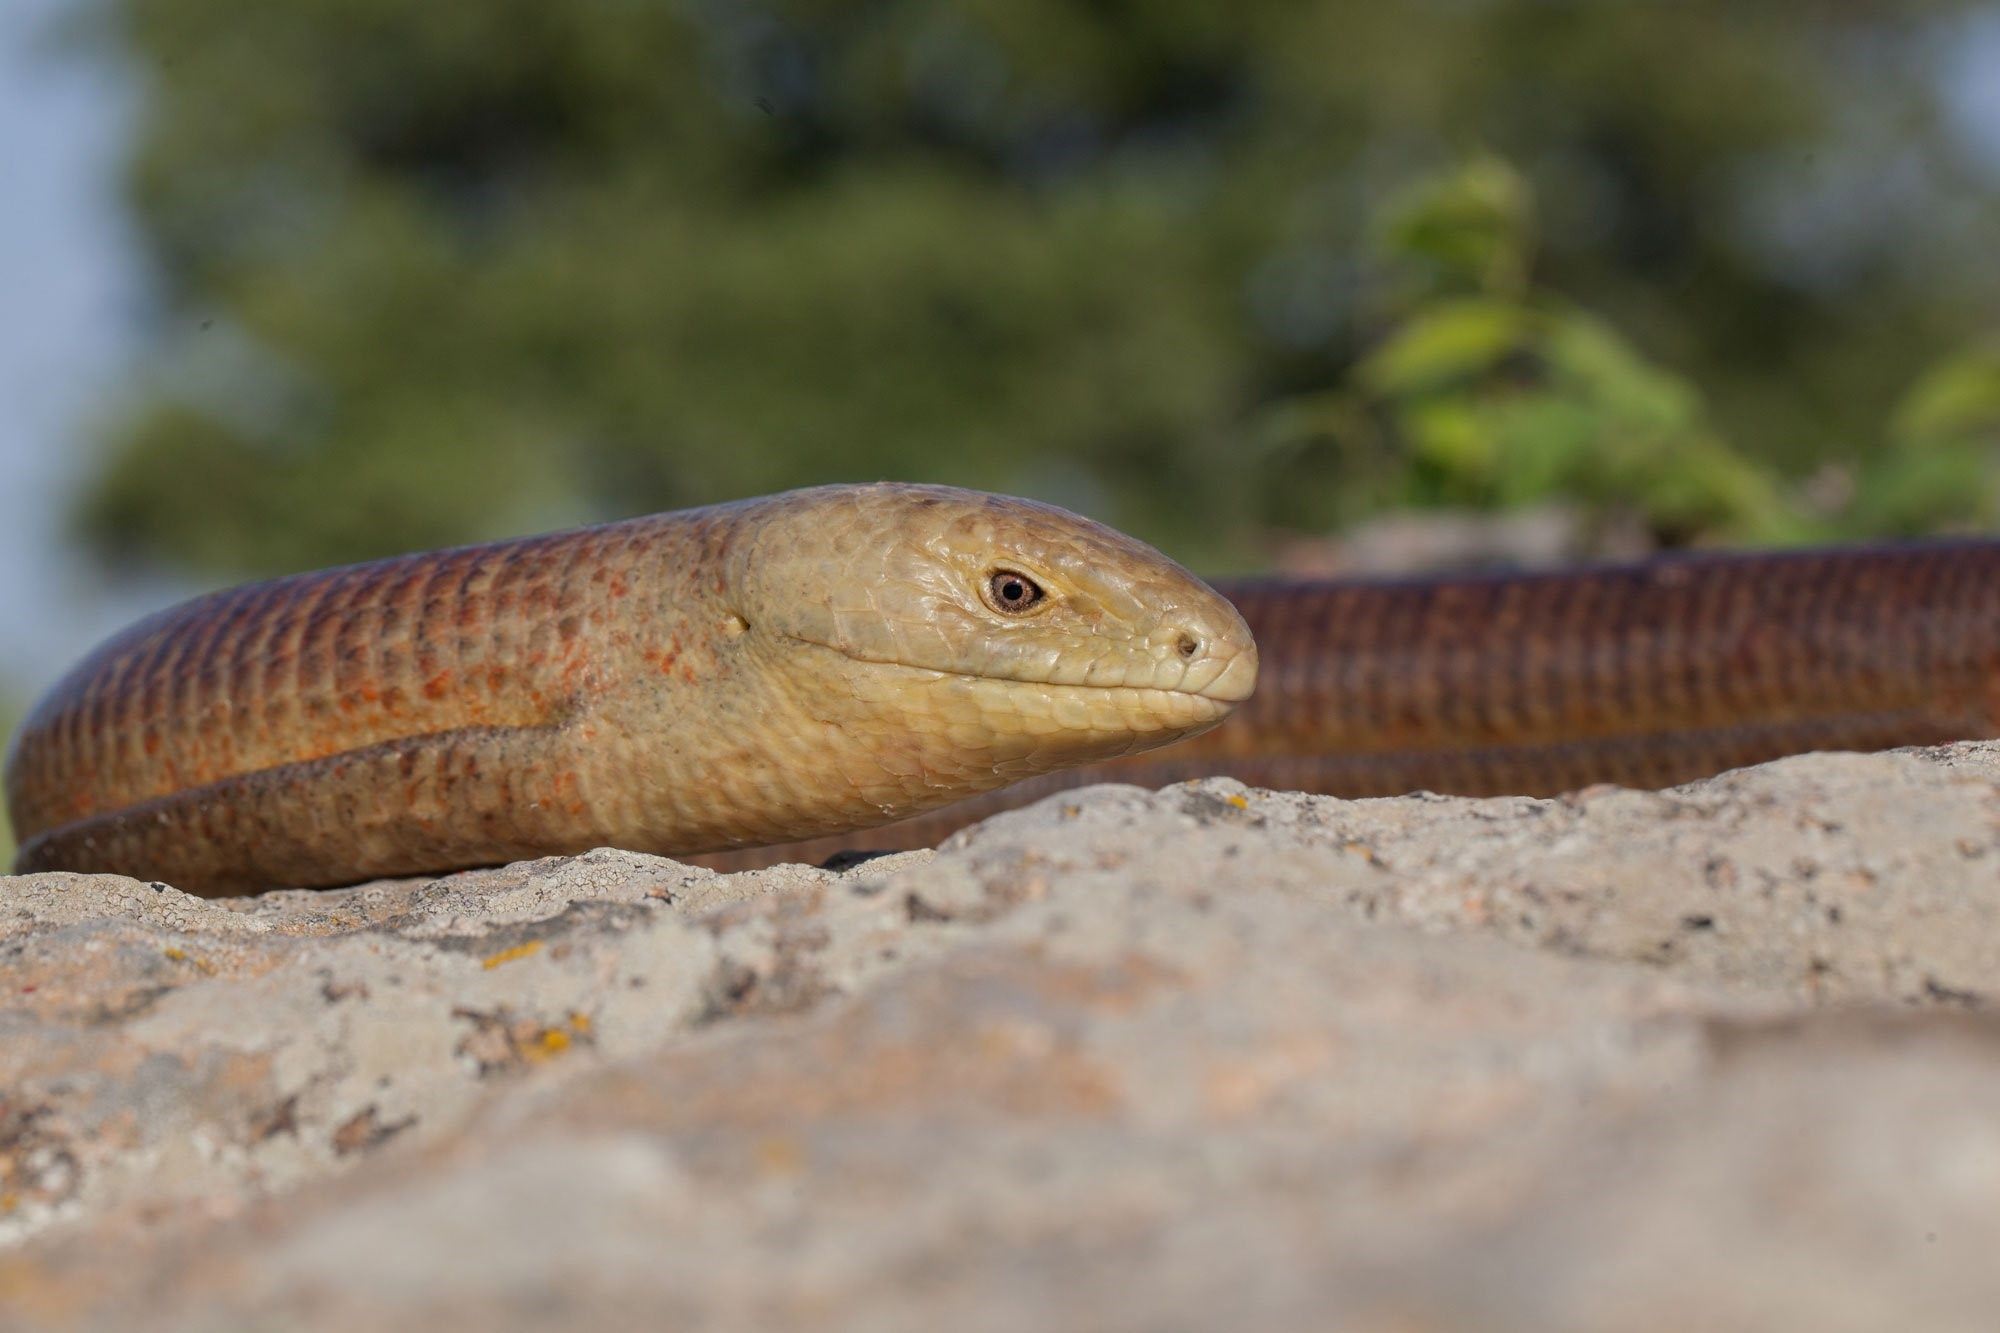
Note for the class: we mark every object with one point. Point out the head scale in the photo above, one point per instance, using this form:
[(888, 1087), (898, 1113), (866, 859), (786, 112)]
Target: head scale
[(986, 638)]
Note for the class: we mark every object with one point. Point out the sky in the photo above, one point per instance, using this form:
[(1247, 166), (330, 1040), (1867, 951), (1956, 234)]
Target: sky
[(71, 290)]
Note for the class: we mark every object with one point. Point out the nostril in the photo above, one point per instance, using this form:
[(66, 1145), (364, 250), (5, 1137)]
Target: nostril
[(1189, 645)]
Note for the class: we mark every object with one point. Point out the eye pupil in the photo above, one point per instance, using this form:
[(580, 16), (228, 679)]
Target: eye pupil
[(1013, 592)]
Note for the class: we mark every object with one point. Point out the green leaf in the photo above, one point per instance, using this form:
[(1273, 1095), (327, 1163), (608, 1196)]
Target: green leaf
[(1468, 230), (1957, 399), (1447, 342)]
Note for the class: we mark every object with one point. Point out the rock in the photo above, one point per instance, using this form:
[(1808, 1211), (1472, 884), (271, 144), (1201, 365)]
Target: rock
[(1721, 1057)]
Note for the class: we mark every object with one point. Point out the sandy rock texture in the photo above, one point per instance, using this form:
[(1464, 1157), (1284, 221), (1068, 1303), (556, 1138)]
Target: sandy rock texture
[(1720, 1058)]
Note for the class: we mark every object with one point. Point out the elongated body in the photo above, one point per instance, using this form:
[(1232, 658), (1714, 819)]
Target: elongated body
[(1648, 676), (802, 664), (826, 661)]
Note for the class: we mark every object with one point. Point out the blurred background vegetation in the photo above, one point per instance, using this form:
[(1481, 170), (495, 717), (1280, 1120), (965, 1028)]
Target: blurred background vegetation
[(432, 272)]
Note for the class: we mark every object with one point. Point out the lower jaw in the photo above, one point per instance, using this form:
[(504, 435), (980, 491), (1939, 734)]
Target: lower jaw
[(1110, 725), (1143, 717), (972, 733)]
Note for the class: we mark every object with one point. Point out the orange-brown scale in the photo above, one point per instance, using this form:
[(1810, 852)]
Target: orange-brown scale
[(301, 669)]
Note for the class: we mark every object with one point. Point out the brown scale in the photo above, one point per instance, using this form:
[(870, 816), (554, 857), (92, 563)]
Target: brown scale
[(334, 664)]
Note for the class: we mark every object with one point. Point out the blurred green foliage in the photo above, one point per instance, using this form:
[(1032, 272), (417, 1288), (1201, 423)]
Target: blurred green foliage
[(432, 272), (1944, 465), (1487, 393)]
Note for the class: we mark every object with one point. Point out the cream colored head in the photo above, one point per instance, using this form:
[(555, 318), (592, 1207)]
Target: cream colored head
[(974, 639)]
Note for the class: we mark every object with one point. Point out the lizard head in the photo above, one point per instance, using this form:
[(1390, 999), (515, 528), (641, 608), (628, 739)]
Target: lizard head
[(960, 640)]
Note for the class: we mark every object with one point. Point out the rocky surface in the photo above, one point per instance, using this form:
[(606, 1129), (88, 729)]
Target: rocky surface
[(1719, 1058)]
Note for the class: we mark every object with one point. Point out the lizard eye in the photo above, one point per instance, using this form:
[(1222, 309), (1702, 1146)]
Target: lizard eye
[(1011, 592)]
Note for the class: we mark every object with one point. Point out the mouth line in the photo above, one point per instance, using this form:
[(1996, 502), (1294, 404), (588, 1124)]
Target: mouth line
[(1013, 680)]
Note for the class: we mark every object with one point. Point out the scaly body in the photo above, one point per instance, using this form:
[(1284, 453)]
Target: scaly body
[(665, 684), (802, 664)]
